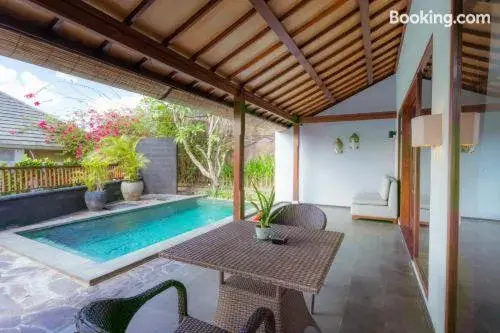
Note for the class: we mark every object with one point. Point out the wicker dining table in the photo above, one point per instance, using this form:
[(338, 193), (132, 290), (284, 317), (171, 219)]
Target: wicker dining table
[(260, 273)]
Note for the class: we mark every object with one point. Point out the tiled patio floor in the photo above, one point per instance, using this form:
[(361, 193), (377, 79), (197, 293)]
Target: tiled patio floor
[(370, 288)]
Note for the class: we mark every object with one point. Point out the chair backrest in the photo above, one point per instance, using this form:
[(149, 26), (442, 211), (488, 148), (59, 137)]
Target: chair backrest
[(301, 215)]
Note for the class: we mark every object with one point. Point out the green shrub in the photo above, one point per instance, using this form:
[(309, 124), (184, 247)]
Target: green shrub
[(94, 174), (28, 162), (260, 170), (122, 151)]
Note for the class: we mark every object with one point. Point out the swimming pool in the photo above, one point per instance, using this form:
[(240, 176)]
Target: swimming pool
[(105, 238)]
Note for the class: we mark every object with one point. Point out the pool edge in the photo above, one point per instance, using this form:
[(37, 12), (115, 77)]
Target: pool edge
[(84, 270)]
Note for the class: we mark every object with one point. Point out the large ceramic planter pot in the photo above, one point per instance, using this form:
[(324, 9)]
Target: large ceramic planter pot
[(262, 233), (132, 191), (95, 200)]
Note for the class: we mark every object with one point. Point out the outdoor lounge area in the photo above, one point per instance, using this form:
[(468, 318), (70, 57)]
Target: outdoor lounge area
[(374, 208)]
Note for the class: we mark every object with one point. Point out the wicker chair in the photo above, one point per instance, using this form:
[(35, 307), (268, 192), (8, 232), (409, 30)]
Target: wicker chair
[(302, 215), (114, 315)]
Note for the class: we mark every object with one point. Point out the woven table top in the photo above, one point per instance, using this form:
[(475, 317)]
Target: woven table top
[(301, 264)]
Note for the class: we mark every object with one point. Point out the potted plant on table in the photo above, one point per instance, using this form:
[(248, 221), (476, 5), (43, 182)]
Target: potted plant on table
[(264, 216), (93, 176), (122, 151)]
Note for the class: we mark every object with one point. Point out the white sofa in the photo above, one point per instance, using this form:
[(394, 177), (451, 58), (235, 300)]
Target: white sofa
[(381, 205)]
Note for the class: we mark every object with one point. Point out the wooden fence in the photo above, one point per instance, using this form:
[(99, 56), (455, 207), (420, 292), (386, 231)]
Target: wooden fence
[(25, 179)]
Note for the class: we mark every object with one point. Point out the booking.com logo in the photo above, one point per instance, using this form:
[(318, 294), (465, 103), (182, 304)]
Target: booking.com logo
[(430, 17)]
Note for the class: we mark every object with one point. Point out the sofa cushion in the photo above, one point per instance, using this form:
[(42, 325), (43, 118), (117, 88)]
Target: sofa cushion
[(373, 199), (384, 188)]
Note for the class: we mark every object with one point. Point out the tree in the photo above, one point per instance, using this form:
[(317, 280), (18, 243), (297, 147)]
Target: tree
[(214, 150), (205, 138)]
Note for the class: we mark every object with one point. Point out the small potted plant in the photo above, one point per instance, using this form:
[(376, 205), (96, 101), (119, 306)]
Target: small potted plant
[(354, 141), (122, 151), (264, 216), (93, 176), (339, 146)]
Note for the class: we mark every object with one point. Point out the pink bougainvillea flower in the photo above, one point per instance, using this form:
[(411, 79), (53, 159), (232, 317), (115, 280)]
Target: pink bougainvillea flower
[(37, 103), (12, 132), (30, 95), (42, 124)]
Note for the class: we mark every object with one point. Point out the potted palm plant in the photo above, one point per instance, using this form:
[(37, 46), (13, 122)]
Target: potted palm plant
[(265, 216), (93, 176), (122, 151)]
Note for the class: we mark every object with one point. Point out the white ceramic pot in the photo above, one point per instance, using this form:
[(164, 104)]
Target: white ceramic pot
[(262, 233), (132, 191)]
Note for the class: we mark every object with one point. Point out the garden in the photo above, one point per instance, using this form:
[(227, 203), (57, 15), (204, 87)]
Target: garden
[(98, 147)]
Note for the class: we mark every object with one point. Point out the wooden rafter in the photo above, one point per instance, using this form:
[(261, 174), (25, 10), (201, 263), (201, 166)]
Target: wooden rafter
[(212, 43), (320, 34), (332, 42), (350, 117), (349, 94), (285, 38), (190, 21), (257, 36), (138, 10), (301, 46), (86, 15), (364, 12), (47, 36)]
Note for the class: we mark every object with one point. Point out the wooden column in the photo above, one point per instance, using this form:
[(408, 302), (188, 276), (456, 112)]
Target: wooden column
[(296, 146), (238, 157), (415, 208), (453, 186)]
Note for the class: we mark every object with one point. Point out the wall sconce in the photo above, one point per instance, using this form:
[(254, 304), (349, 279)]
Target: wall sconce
[(426, 131), (392, 134)]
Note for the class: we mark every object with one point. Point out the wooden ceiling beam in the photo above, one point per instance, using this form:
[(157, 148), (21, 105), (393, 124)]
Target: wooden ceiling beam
[(273, 22), (292, 105), (309, 87), (310, 103), (257, 36), (190, 21), (138, 11), (239, 22), (482, 34), (86, 15), (364, 12), (311, 107), (354, 74), (303, 45), (352, 58), (47, 36), (350, 117), (314, 53)]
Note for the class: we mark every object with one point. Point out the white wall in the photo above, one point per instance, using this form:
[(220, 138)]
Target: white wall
[(479, 171), (379, 97), (415, 40), (330, 179), (283, 159)]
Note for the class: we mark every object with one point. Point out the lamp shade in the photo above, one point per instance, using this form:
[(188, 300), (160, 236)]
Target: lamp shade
[(426, 130), (469, 128)]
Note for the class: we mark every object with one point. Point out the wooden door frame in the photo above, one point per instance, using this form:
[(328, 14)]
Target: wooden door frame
[(409, 200)]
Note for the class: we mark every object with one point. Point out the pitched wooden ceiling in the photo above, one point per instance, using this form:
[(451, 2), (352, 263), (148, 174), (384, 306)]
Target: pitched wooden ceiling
[(480, 51), (288, 58)]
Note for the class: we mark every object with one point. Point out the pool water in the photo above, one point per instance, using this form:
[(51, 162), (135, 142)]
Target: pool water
[(109, 237)]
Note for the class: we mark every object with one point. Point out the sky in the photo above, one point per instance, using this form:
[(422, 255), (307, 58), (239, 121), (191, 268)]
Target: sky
[(60, 94)]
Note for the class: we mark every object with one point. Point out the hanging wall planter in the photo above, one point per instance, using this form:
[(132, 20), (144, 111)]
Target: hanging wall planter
[(339, 146), (354, 141)]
